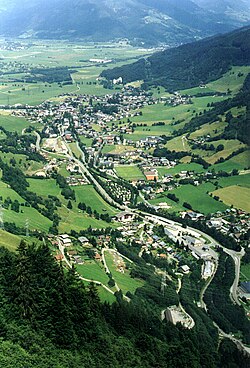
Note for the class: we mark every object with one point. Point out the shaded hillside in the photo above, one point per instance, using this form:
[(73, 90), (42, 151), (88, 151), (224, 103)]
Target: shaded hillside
[(189, 65), (50, 319), (141, 21)]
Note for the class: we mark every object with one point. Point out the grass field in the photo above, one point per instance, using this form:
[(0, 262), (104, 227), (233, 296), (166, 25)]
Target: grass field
[(90, 197), (13, 123), (57, 54), (180, 167), (242, 180), (36, 220), (86, 141), (9, 241), (75, 149), (230, 80), (123, 280), (128, 172), (245, 272), (44, 187), (116, 149), (229, 147), (211, 129), (93, 270), (105, 296), (199, 198), (236, 196), (239, 162)]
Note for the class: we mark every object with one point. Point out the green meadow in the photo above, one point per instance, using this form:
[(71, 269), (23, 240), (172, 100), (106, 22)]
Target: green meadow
[(128, 172), (123, 280)]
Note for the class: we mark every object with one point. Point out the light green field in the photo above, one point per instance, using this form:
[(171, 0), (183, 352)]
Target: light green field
[(245, 272), (123, 280), (9, 241), (241, 180), (13, 123), (236, 196), (128, 172), (239, 162), (180, 167), (86, 141), (116, 149), (36, 220), (198, 198), (44, 187), (57, 54), (93, 270), (75, 150), (178, 144), (211, 129), (230, 80), (90, 197), (229, 147), (105, 296)]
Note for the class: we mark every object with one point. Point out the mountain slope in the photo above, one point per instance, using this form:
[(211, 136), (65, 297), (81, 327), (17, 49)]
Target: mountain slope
[(148, 21), (188, 65)]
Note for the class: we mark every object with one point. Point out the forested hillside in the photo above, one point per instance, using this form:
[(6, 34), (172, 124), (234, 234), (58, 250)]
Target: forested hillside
[(50, 319), (189, 65)]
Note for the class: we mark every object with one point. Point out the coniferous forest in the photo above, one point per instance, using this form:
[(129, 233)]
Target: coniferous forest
[(50, 319)]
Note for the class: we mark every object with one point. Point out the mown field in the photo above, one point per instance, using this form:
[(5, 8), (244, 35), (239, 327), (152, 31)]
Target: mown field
[(128, 172), (13, 123), (199, 198), (236, 196)]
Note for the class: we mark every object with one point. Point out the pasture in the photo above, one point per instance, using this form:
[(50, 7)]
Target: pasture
[(8, 240), (198, 197), (129, 172), (123, 280), (90, 197), (236, 196)]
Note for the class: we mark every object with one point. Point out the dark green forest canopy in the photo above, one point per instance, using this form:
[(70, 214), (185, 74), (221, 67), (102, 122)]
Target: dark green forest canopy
[(50, 319), (189, 65)]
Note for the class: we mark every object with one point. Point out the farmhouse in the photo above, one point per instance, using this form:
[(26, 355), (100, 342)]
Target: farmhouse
[(151, 175)]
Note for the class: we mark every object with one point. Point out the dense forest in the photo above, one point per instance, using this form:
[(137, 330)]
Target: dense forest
[(189, 65), (50, 319)]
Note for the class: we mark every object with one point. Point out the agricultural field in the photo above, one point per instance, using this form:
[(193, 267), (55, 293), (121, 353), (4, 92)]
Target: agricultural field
[(238, 162), (236, 196), (192, 166), (8, 240), (240, 180), (199, 198), (90, 197), (13, 123), (35, 219), (84, 73), (129, 172), (93, 270), (123, 280)]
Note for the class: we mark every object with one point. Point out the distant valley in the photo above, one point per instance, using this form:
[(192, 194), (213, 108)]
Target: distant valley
[(141, 22)]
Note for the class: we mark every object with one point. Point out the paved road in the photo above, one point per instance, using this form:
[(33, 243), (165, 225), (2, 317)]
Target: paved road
[(161, 220), (98, 283), (86, 171)]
